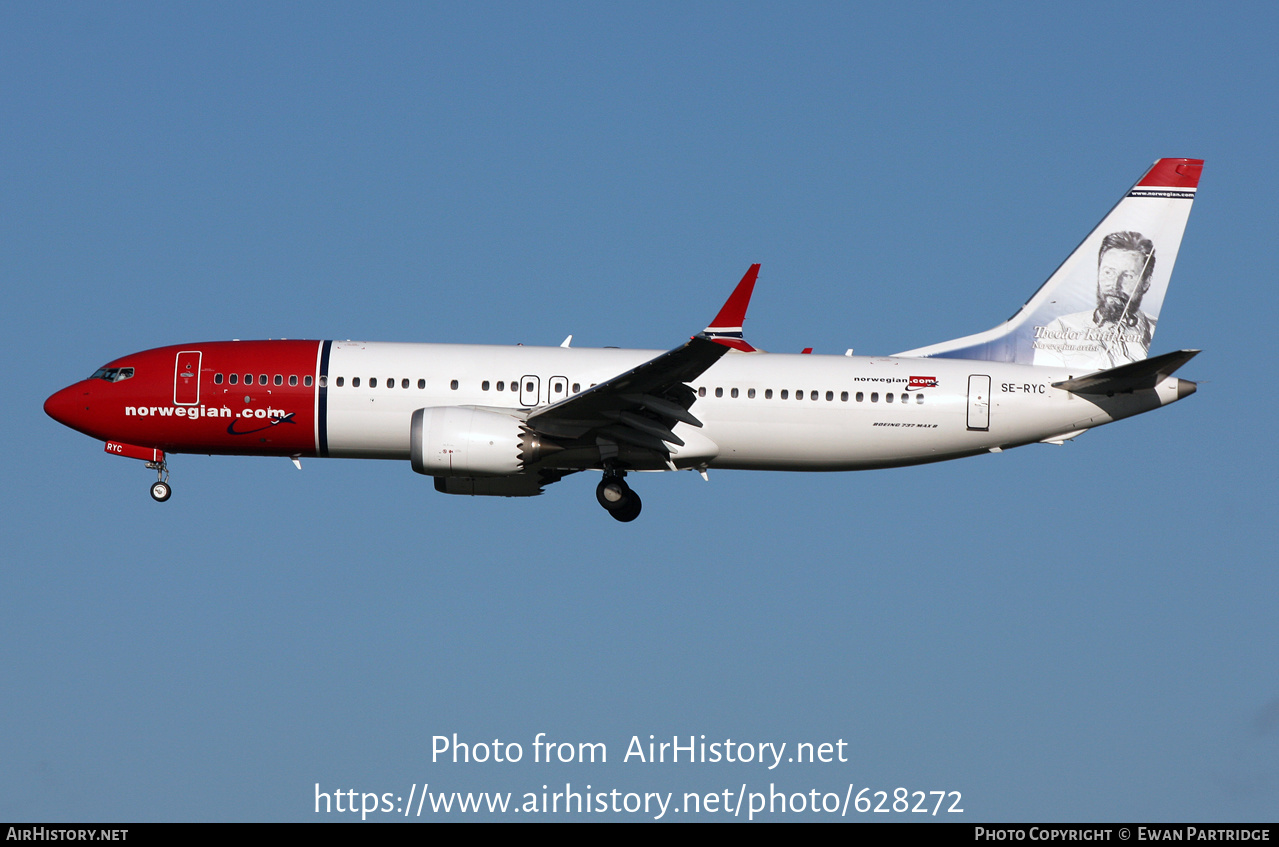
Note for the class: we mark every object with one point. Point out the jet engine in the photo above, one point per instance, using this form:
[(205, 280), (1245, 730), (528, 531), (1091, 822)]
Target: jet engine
[(460, 441)]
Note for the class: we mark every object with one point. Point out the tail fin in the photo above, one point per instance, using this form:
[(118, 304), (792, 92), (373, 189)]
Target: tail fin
[(1099, 309)]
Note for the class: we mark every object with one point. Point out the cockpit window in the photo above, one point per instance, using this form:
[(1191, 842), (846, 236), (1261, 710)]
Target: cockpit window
[(112, 374)]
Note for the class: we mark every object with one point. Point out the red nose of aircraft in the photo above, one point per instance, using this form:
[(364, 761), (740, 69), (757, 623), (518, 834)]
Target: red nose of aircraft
[(70, 406)]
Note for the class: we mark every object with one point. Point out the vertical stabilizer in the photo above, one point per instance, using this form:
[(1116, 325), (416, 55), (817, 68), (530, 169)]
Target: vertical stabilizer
[(1100, 308)]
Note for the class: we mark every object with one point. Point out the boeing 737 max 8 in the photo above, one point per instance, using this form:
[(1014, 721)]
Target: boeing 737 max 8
[(508, 421)]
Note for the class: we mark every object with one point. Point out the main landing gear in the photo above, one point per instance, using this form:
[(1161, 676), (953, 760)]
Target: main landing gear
[(616, 496), (160, 489)]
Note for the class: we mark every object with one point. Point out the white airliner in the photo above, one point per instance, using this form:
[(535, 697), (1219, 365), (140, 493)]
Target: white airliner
[(508, 421)]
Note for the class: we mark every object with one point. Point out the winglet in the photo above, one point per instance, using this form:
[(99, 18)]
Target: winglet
[(726, 329)]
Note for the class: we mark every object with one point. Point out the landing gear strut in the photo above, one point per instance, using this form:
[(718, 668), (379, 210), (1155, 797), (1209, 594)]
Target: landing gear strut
[(160, 489), (616, 496)]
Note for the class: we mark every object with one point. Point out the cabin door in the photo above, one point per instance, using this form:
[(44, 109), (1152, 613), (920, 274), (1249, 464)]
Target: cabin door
[(186, 378)]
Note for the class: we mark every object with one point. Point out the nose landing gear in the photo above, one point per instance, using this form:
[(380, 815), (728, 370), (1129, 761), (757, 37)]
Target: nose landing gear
[(616, 496), (160, 489)]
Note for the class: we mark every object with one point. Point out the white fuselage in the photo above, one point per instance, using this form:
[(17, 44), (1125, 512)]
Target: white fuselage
[(761, 411)]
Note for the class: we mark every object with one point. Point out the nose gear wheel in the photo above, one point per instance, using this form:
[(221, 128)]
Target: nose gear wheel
[(160, 489)]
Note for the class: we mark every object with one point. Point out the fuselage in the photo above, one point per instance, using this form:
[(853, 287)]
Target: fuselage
[(761, 411)]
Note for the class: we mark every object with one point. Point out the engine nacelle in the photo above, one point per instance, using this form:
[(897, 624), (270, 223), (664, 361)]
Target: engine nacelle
[(459, 441)]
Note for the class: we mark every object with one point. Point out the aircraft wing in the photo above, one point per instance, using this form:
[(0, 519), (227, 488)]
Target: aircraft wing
[(641, 406)]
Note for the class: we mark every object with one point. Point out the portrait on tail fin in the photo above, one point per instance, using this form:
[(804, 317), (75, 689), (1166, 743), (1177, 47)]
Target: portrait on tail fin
[(1116, 331)]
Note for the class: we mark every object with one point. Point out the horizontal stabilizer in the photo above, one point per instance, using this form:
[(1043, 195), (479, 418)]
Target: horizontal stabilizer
[(1134, 376)]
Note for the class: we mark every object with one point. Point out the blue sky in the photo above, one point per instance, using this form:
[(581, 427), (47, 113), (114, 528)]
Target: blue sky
[(1085, 632)]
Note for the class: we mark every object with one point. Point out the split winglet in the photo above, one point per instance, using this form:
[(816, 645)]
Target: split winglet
[(726, 329)]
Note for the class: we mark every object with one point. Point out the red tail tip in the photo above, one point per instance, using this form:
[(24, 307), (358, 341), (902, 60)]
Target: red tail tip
[(1174, 173)]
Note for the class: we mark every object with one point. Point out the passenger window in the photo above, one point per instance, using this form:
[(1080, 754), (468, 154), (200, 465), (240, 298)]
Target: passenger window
[(248, 379), (340, 381), (750, 393), (528, 386), (484, 386), (217, 379), (404, 383), (233, 378), (843, 396), (279, 380), (372, 382), (830, 395), (293, 379), (733, 393), (919, 399), (768, 394), (874, 397), (453, 385), (501, 386), (262, 379), (421, 383), (577, 388), (701, 391), (813, 396), (785, 394), (860, 397), (355, 382), (719, 392)]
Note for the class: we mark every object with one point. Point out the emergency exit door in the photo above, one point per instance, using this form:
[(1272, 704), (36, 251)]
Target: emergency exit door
[(530, 390)]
